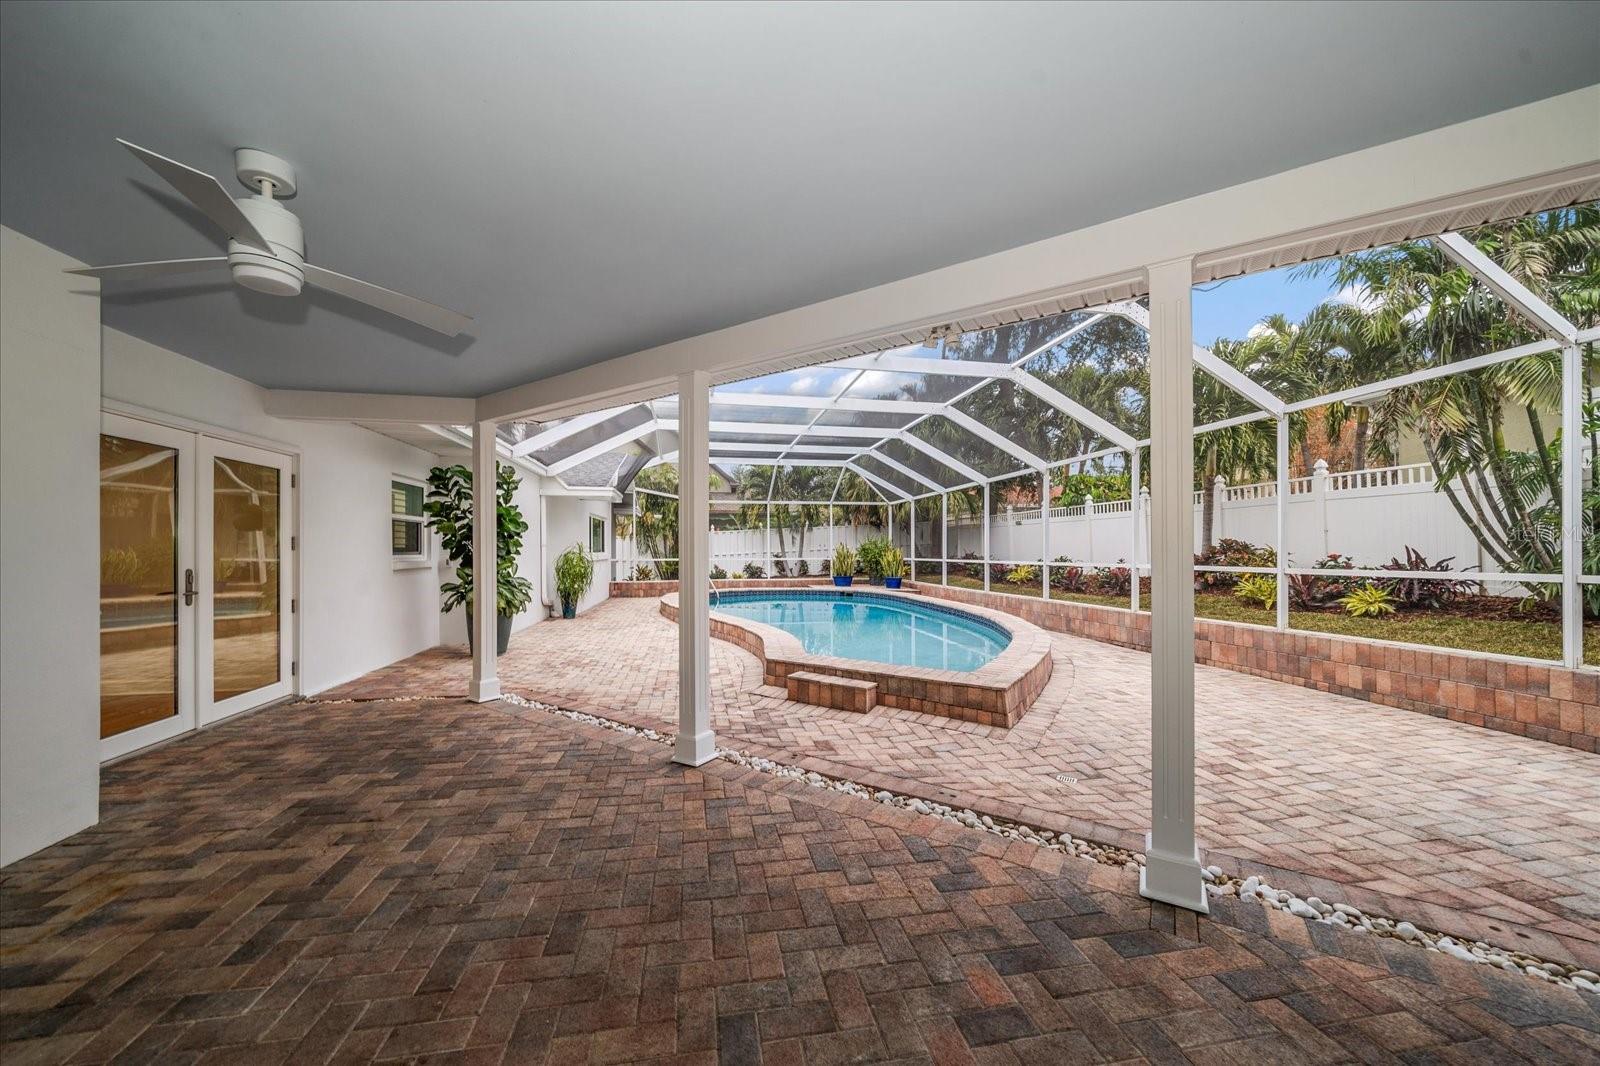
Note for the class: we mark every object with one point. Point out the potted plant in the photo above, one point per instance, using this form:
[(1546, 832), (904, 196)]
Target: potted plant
[(893, 563), (448, 509), (574, 575), (871, 555), (844, 565)]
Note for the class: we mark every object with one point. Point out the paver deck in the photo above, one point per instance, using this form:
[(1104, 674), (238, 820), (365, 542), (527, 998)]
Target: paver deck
[(442, 882), (1467, 830)]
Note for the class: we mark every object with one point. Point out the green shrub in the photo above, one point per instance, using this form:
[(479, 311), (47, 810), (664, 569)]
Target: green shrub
[(574, 574), (718, 573), (754, 570), (871, 556), (1025, 574), (1230, 552), (1369, 601), (1258, 589)]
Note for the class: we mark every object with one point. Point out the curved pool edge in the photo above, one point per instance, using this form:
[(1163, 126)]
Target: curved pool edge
[(998, 693)]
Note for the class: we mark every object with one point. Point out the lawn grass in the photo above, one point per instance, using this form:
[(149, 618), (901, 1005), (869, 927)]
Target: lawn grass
[(1532, 638)]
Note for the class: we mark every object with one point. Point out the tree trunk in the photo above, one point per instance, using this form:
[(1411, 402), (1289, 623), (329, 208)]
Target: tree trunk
[(1305, 455), (1362, 424), (1208, 511)]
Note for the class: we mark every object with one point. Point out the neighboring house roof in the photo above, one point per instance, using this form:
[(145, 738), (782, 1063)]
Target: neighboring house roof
[(595, 473)]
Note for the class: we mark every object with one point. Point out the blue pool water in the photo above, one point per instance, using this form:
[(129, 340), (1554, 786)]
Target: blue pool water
[(880, 629)]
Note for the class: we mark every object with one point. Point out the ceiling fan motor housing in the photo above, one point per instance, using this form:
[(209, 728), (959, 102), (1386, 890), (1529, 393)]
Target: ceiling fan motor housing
[(280, 272)]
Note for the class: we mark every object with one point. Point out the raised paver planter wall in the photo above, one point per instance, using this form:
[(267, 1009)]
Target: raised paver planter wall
[(661, 588), (1549, 703)]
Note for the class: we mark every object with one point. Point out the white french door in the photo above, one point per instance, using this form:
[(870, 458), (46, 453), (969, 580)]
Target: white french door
[(195, 581)]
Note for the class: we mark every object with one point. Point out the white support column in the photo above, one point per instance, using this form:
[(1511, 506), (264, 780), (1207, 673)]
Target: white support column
[(986, 536), (830, 536), (944, 538), (1319, 499), (1044, 530), (1572, 387), (1281, 542), (1136, 514), (1172, 865), (695, 744), (485, 529), (912, 523)]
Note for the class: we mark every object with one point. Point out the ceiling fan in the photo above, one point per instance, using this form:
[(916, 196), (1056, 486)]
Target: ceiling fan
[(266, 246)]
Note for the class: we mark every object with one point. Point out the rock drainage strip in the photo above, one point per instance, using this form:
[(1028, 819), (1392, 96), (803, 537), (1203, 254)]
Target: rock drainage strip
[(1217, 883)]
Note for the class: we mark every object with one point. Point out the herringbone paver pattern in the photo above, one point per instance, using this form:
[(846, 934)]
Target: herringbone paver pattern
[(1483, 834), (441, 882)]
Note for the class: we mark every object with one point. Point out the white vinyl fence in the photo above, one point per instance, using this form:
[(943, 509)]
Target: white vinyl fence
[(1369, 515)]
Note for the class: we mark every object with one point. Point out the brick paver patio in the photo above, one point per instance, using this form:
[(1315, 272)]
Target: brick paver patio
[(439, 882), (1468, 830)]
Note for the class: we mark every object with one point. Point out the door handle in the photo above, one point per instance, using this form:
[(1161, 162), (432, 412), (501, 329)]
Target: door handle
[(188, 588)]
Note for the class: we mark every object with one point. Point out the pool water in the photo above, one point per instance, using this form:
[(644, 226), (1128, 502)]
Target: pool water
[(880, 629)]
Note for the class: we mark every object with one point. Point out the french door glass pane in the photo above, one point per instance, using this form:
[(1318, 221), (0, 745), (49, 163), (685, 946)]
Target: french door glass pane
[(245, 630), (138, 584)]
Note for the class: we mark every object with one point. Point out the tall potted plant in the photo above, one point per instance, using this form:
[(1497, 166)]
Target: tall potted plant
[(844, 565), (871, 554), (893, 563), (448, 509), (574, 575)]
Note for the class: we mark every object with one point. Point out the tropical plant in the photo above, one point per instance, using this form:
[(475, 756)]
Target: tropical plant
[(718, 573), (1258, 589), (871, 554), (1369, 601), (1230, 552), (1413, 592), (1113, 580), (574, 574), (119, 566), (894, 562), (1442, 314), (448, 510), (1314, 590), (1067, 576), (844, 560), (754, 570), (1023, 574), (1237, 453)]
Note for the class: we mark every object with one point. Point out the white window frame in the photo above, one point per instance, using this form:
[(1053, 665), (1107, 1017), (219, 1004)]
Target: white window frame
[(605, 529), (423, 558)]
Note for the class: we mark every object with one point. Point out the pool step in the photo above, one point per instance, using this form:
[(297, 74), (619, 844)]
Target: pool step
[(826, 690)]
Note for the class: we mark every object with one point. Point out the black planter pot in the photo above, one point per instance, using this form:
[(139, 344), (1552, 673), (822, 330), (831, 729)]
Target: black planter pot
[(502, 636)]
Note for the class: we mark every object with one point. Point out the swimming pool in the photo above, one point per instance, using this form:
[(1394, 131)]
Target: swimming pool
[(876, 628)]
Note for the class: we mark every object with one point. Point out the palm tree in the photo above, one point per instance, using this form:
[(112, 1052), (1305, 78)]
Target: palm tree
[(1445, 315), (1235, 452)]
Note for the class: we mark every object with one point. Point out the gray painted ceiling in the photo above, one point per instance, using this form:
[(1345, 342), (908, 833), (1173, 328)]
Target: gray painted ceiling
[(590, 180)]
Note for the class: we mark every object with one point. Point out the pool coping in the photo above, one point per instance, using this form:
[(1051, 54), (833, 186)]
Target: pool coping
[(998, 693)]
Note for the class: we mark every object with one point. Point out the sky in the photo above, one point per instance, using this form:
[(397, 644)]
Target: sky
[(1229, 308)]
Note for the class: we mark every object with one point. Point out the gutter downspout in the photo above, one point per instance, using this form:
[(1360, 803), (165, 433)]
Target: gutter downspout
[(544, 563)]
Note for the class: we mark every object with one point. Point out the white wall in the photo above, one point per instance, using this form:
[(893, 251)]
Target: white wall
[(49, 547), (357, 612), (568, 519)]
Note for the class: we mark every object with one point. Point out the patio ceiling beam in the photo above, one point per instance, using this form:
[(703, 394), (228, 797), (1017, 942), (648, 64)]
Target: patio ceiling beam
[(1072, 408), (876, 480), (1508, 288), (781, 449), (784, 429), (943, 457), (616, 440), (989, 436), (903, 469), (558, 433)]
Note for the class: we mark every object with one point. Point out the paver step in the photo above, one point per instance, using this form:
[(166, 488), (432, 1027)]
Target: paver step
[(826, 690)]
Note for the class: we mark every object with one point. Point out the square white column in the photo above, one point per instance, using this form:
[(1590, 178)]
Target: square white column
[(485, 528), (1172, 865), (695, 744)]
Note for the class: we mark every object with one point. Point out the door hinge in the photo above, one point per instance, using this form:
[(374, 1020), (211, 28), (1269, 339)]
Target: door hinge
[(294, 668), (294, 544), (294, 481), (294, 606)]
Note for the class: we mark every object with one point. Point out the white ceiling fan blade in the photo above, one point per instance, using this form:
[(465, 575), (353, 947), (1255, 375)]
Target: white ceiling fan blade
[(159, 268), (440, 319), (205, 192)]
